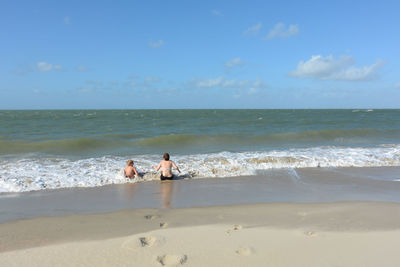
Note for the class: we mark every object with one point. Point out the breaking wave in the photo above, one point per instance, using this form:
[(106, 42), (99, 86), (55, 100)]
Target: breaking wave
[(37, 173)]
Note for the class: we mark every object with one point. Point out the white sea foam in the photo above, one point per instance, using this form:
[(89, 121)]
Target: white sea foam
[(19, 175)]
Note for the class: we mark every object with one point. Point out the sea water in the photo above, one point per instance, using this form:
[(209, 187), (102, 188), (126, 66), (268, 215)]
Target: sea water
[(50, 149)]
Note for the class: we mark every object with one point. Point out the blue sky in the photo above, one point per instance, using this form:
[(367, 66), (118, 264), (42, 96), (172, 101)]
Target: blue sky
[(199, 54)]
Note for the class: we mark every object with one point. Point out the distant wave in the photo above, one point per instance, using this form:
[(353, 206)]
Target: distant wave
[(362, 110), (32, 173), (337, 135), (56, 146), (115, 141)]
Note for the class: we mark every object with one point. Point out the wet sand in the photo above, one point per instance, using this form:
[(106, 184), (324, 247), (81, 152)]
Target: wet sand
[(307, 185)]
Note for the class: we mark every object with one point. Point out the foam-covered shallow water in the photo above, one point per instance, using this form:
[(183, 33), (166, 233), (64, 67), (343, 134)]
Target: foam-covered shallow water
[(37, 173), (51, 149)]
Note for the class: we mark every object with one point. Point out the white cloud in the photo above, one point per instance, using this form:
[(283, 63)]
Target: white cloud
[(234, 62), (216, 13), (258, 83), (281, 31), (321, 67), (92, 86), (44, 66), (156, 44), (85, 90), (67, 20), (152, 79), (365, 73), (221, 82), (397, 85), (253, 29), (208, 83), (81, 68), (242, 92), (329, 68), (252, 91), (137, 82)]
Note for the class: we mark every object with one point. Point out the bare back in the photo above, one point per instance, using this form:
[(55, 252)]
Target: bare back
[(166, 167), (130, 172)]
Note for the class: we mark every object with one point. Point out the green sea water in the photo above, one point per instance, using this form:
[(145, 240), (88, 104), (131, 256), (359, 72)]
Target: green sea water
[(46, 149), (87, 133)]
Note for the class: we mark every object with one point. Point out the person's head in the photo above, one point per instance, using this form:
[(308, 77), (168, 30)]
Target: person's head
[(129, 163), (166, 156)]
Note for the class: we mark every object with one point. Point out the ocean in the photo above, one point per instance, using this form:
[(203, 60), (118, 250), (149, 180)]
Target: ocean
[(50, 149)]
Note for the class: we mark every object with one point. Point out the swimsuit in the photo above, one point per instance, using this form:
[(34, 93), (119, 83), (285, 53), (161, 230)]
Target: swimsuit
[(163, 178)]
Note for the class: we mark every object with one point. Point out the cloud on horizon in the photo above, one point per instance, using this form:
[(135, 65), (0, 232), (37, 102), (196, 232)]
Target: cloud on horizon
[(235, 62), (281, 31), (222, 82), (329, 68), (44, 66), (81, 68), (152, 79)]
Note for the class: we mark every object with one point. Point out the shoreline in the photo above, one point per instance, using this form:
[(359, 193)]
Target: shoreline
[(240, 234), (308, 185)]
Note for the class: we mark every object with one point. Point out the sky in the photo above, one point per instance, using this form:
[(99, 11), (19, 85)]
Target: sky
[(199, 54)]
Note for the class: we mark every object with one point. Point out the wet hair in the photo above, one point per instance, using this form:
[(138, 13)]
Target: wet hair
[(129, 162), (166, 156)]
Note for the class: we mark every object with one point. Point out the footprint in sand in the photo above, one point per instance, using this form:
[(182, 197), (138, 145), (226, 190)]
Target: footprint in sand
[(147, 241), (246, 251), (235, 228), (172, 260), (151, 217), (142, 242), (163, 224), (311, 234)]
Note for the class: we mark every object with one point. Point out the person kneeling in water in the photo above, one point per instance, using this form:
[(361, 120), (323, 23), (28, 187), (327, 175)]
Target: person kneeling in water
[(166, 168), (130, 170)]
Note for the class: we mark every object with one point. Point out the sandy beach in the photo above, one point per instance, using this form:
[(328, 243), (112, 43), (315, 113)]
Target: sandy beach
[(325, 217), (269, 234), (319, 234)]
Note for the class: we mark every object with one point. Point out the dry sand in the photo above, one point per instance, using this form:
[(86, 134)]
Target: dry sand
[(318, 234)]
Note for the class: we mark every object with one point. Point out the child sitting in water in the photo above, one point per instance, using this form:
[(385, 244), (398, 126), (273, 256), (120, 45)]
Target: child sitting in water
[(130, 170)]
